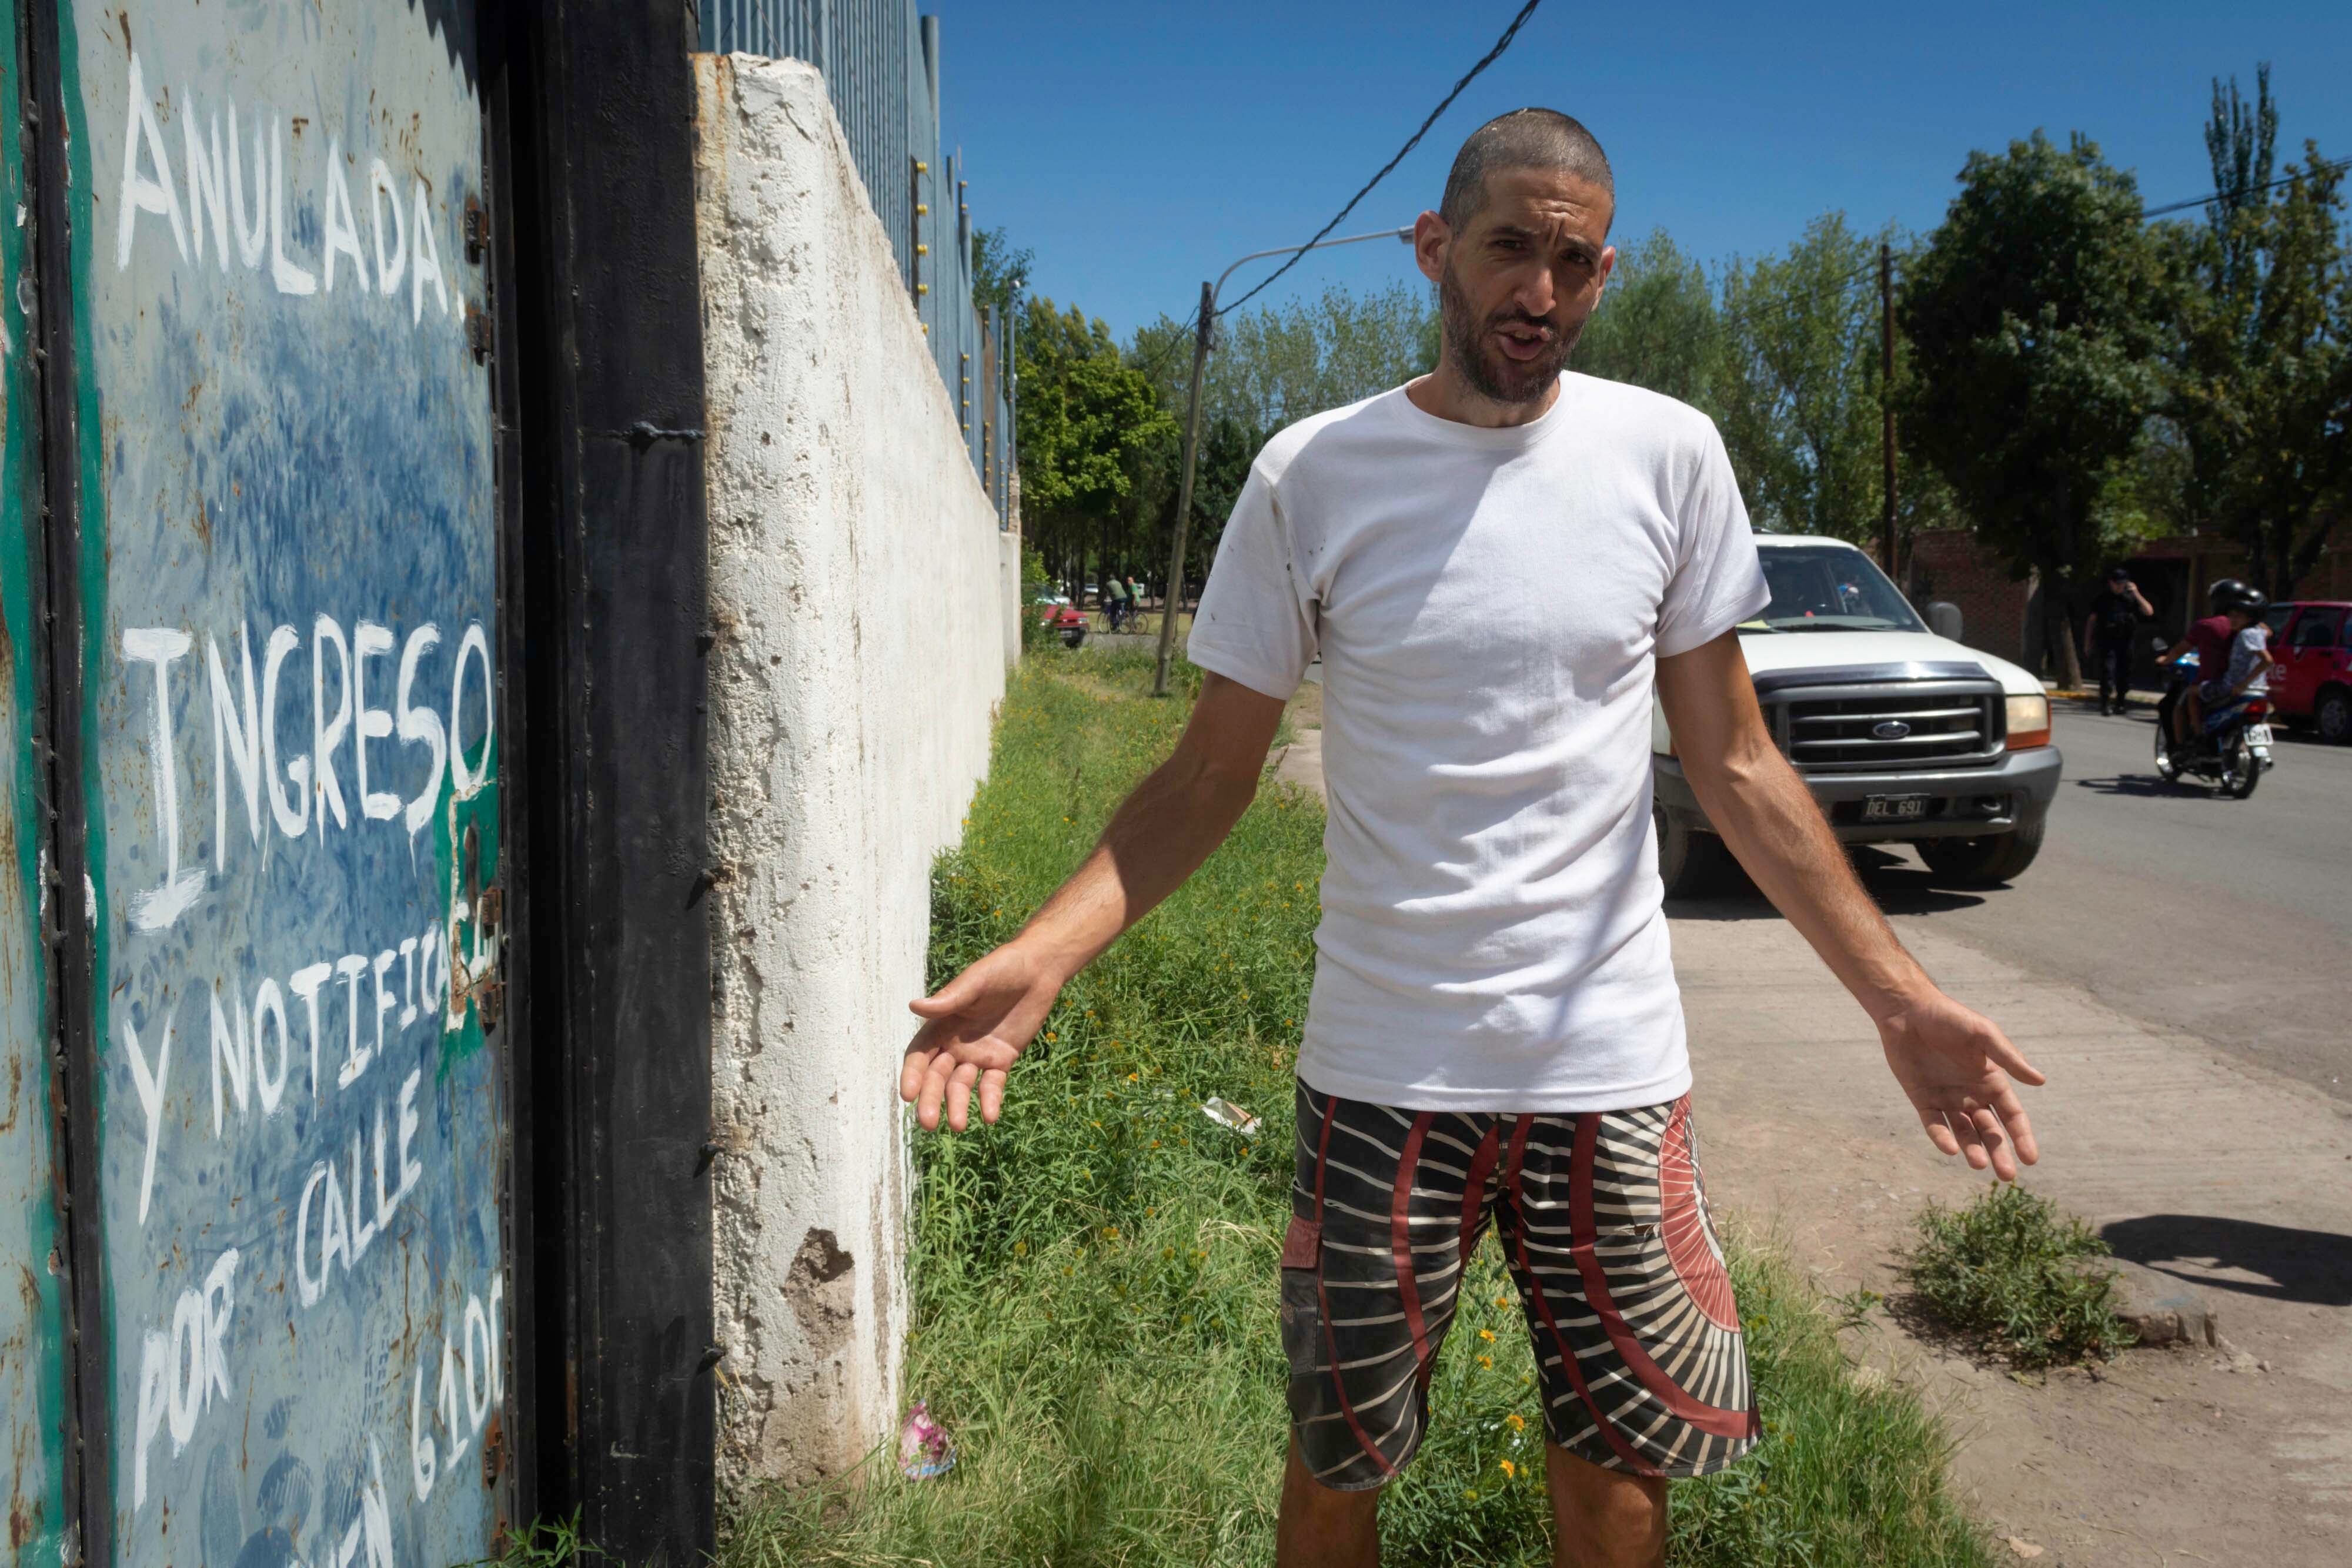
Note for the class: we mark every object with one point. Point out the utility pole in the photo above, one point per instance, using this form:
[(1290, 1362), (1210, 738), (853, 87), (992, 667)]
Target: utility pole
[(1201, 340), (1173, 600), (1887, 403)]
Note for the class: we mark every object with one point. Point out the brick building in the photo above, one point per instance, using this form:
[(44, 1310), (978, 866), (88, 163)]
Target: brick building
[(1996, 609)]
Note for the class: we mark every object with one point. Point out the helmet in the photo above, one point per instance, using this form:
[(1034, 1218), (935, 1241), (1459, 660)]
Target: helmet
[(2227, 592), (2247, 601)]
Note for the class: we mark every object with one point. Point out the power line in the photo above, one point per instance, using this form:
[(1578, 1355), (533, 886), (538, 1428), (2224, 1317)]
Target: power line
[(2314, 172), (1491, 55), (1177, 340)]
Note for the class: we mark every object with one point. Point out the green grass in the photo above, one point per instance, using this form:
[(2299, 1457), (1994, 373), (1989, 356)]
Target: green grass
[(1095, 1275), (2009, 1271), (542, 1543)]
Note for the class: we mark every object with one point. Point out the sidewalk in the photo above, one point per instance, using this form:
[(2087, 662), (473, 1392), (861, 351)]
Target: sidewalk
[(2208, 1170)]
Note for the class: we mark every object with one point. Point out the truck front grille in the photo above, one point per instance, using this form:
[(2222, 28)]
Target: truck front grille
[(1856, 720)]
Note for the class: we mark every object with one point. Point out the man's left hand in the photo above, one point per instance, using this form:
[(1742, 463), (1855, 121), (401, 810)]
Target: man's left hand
[(1957, 1067)]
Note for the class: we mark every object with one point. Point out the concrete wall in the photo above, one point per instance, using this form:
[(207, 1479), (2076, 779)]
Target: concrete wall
[(857, 601), (1008, 571)]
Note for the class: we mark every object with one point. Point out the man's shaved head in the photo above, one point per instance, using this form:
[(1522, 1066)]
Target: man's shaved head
[(1523, 139)]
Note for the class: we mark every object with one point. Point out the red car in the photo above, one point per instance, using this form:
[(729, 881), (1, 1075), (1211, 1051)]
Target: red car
[(1066, 623), (2312, 683)]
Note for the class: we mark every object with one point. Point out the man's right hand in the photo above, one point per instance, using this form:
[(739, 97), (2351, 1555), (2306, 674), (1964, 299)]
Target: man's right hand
[(976, 1026)]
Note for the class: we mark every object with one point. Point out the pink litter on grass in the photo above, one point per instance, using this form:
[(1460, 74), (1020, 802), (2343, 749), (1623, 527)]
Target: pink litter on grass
[(924, 1450)]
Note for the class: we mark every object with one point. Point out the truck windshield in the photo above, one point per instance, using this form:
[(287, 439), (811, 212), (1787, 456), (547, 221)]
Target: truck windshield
[(1831, 588)]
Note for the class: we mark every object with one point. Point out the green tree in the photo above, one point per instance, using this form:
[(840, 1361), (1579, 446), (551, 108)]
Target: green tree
[(1277, 364), (1802, 384), (999, 271), (1656, 326), (2036, 315), (1083, 415), (2262, 389)]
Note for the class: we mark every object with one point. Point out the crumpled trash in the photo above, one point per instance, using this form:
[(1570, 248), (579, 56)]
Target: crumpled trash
[(1226, 1113), (924, 1450)]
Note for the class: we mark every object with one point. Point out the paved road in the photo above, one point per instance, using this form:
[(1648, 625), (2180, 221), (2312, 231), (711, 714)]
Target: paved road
[(2227, 919)]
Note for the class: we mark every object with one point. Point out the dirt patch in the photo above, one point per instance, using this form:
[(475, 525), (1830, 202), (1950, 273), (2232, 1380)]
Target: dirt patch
[(822, 1290)]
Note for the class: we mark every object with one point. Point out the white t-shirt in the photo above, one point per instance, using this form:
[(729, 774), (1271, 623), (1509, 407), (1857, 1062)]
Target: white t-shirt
[(2246, 657), (1488, 604)]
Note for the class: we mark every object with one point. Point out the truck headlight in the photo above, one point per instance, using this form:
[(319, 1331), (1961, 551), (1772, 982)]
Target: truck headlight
[(2028, 721)]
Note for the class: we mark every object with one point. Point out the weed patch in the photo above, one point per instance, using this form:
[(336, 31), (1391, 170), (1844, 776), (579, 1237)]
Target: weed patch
[(1095, 1275), (2009, 1271)]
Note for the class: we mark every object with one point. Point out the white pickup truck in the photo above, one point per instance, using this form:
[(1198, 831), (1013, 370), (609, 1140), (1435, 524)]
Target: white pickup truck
[(1903, 735)]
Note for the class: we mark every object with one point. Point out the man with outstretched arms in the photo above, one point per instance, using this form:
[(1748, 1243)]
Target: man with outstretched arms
[(1495, 1036)]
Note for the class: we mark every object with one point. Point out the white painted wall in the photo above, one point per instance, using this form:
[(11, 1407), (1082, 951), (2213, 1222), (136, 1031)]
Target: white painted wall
[(857, 595)]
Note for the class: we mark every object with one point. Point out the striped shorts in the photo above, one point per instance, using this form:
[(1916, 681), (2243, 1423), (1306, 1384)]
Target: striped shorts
[(1604, 1225)]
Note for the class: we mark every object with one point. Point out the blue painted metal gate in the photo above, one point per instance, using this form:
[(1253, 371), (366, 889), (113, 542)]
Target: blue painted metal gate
[(283, 560)]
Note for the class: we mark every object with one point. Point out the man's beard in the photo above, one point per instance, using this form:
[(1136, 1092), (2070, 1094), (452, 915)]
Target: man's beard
[(1491, 373)]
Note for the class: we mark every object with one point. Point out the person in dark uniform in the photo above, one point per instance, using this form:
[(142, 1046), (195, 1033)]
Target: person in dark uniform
[(2116, 612)]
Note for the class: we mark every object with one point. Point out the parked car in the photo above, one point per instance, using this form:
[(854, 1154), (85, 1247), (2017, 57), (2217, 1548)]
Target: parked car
[(1903, 735), (1066, 622), (2312, 683)]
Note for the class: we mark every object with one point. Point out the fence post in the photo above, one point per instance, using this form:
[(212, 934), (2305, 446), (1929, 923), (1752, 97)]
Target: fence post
[(617, 536)]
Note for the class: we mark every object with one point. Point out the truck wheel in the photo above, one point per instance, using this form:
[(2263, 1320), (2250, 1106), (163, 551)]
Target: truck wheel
[(1983, 863), (2335, 715), (1692, 863)]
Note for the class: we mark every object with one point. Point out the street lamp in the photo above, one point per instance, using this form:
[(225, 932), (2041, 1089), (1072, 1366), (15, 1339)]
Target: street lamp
[(1209, 292)]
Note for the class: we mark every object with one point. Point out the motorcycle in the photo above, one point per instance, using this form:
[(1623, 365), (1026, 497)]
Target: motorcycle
[(2234, 751)]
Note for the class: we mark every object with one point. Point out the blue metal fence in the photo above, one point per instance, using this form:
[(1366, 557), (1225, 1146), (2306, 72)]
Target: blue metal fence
[(881, 66)]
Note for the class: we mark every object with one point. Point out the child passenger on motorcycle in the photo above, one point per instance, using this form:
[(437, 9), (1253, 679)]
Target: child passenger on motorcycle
[(2239, 631)]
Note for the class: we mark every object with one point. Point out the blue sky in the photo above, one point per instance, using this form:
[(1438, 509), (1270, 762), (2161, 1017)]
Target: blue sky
[(1141, 147)]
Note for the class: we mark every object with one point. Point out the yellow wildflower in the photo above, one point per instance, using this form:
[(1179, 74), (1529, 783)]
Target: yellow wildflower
[(1111, 1231), (1486, 1334), (1518, 1422), (1508, 1468), (1487, 1361)]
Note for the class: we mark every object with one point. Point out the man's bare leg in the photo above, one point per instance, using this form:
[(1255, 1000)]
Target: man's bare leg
[(1604, 1518), (1320, 1528)]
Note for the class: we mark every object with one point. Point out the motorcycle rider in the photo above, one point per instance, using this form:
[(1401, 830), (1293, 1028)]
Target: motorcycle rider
[(2233, 656)]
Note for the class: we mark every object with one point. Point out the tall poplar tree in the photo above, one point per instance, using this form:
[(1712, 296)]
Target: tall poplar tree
[(2262, 389)]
